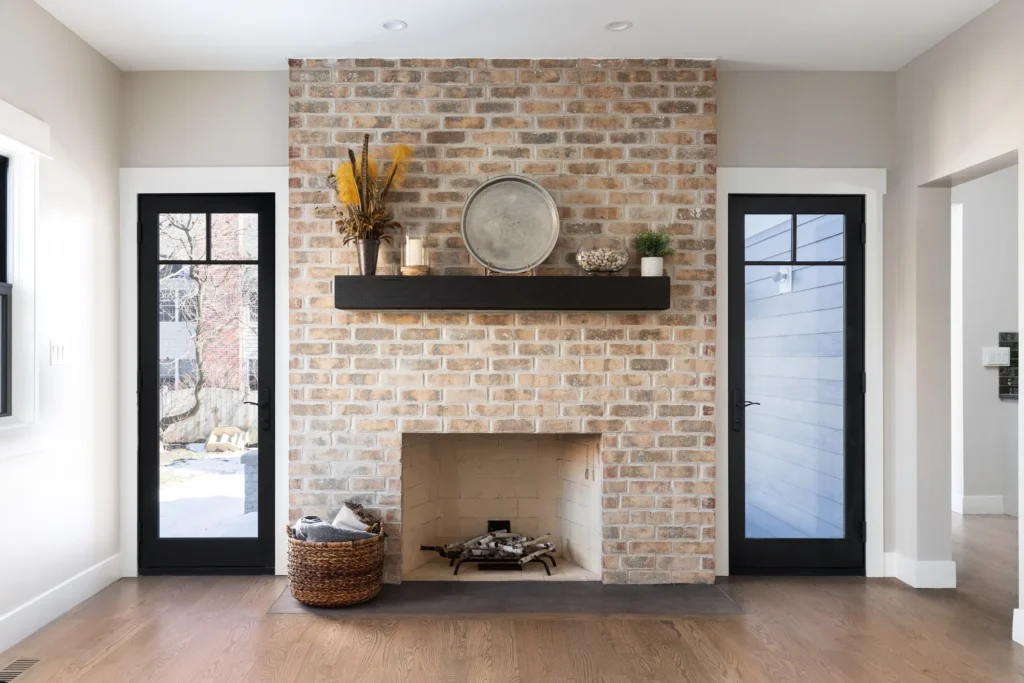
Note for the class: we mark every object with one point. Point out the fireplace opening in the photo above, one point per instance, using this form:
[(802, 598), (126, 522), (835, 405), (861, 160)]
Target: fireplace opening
[(459, 488)]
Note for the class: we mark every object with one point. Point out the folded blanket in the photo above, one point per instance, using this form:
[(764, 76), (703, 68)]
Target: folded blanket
[(348, 519), (316, 530)]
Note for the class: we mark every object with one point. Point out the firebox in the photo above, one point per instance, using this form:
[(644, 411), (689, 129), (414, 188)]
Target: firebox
[(526, 503)]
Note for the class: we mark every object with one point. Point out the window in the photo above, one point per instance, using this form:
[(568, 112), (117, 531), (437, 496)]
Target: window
[(178, 304), (254, 374), (178, 373), (23, 141), (6, 295), (168, 306)]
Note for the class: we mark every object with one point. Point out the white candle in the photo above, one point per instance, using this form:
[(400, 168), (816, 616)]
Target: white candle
[(414, 252)]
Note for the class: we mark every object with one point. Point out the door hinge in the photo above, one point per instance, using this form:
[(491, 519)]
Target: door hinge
[(863, 232), (864, 532), (138, 232), (864, 383), (138, 386)]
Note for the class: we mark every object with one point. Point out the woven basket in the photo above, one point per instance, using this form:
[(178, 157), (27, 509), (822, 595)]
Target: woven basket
[(335, 574)]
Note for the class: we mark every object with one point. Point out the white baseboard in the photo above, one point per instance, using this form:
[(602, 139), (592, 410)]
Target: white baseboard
[(28, 618), (1018, 626), (981, 505), (921, 573)]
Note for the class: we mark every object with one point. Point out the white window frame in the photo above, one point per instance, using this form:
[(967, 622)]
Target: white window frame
[(25, 141)]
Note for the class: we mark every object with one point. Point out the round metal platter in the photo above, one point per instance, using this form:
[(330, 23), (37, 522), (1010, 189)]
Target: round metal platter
[(510, 224)]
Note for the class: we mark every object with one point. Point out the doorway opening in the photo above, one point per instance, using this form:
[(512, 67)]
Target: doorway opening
[(984, 382)]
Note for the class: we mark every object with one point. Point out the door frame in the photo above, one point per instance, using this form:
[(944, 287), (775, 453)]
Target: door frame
[(870, 182), (220, 180)]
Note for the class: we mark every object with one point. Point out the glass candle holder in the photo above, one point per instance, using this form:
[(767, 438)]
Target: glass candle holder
[(602, 255), (414, 247)]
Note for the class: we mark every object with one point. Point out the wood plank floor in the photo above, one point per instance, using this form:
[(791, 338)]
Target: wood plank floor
[(199, 629)]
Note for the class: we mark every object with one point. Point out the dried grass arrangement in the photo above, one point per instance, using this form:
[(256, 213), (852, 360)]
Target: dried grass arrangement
[(364, 193)]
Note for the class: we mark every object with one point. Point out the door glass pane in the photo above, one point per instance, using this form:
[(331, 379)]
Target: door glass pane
[(182, 236), (819, 237), (234, 236), (794, 370), (208, 434), (768, 237)]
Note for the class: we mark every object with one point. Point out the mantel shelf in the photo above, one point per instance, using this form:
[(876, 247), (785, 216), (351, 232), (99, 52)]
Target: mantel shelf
[(501, 293)]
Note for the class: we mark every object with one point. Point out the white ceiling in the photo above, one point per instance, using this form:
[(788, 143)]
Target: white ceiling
[(877, 35)]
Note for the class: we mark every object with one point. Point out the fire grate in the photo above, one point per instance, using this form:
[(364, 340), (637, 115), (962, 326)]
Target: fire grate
[(499, 550)]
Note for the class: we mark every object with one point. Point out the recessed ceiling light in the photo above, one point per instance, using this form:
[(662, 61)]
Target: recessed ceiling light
[(618, 25), (395, 25)]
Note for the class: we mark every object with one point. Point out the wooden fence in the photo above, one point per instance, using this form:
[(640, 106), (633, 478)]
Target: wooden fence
[(218, 407)]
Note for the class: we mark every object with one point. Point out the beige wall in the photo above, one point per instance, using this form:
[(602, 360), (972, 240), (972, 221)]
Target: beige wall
[(64, 467), (958, 105), (766, 118), (805, 119), (205, 118)]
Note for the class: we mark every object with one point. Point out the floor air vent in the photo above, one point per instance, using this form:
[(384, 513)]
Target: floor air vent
[(16, 668)]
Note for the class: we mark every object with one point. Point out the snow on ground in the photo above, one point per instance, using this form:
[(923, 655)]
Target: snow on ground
[(204, 498)]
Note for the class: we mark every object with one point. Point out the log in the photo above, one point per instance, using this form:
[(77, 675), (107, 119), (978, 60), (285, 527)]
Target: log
[(498, 546), (537, 541), (535, 555)]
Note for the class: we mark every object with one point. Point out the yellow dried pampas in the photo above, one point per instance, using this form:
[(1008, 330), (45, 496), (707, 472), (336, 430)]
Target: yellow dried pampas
[(364, 192)]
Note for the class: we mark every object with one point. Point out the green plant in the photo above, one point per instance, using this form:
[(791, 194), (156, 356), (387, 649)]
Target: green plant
[(652, 243), (364, 193)]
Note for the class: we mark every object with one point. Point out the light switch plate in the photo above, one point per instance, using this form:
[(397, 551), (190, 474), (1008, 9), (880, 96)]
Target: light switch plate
[(58, 353), (995, 356)]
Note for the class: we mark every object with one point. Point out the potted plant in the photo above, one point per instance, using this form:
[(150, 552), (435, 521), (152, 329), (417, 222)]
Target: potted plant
[(653, 247), (368, 221)]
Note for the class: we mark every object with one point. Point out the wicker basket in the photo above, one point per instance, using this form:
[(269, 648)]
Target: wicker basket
[(335, 574)]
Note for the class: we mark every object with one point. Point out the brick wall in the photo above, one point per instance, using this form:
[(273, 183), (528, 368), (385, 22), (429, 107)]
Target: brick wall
[(623, 146)]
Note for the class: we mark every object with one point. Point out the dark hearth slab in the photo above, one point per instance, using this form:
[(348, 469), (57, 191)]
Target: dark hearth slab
[(433, 598)]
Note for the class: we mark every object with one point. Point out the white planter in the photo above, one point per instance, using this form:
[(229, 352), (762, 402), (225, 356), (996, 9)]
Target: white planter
[(652, 266)]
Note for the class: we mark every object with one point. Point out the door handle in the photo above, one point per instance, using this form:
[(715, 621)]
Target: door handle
[(739, 404), (266, 413), (737, 410)]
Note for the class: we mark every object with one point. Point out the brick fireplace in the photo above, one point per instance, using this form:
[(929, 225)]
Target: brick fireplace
[(623, 146)]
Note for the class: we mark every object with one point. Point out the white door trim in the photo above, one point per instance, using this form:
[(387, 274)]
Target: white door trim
[(136, 181), (870, 182)]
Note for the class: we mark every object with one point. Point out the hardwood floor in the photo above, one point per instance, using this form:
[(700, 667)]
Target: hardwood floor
[(195, 629)]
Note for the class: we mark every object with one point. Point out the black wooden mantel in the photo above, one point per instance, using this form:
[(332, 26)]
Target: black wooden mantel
[(501, 293)]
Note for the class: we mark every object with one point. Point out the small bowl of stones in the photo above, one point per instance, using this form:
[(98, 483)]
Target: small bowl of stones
[(602, 255)]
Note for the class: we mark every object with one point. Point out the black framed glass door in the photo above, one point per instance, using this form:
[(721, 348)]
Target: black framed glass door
[(206, 369), (796, 384)]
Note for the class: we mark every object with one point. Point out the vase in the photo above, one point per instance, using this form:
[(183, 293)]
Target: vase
[(367, 250), (652, 266)]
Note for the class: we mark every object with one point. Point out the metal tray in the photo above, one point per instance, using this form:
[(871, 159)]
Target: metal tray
[(510, 224)]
